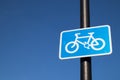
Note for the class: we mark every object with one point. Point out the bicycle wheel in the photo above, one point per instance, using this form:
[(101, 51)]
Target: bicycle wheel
[(71, 47), (98, 44)]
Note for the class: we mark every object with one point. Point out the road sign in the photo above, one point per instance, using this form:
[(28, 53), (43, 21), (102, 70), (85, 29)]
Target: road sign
[(85, 42)]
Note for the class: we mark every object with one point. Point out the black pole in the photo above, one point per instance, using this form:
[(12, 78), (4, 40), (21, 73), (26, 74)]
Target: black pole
[(85, 63)]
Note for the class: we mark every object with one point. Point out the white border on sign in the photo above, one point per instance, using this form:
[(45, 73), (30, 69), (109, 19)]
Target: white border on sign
[(110, 40)]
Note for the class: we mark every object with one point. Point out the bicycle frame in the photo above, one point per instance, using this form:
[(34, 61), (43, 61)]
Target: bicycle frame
[(89, 38)]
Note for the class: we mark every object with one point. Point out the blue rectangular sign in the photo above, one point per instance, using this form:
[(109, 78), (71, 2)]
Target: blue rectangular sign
[(85, 42)]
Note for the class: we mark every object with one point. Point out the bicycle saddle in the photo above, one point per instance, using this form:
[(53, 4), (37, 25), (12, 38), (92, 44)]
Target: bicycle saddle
[(76, 34)]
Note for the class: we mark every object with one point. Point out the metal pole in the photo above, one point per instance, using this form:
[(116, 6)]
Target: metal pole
[(85, 63)]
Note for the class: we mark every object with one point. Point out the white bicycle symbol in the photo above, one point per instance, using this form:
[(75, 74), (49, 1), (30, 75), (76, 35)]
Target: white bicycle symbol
[(94, 43)]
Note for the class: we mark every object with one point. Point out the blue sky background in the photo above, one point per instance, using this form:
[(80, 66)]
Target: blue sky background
[(29, 39)]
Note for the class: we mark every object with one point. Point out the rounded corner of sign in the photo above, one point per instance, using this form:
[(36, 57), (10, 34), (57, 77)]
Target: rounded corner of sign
[(61, 34), (108, 26), (109, 53), (61, 58)]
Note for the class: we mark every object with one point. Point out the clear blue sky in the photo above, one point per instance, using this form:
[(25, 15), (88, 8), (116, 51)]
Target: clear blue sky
[(29, 39)]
